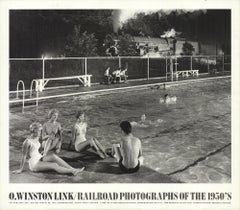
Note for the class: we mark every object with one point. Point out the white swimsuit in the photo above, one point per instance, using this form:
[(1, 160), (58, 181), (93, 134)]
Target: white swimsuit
[(34, 154), (80, 134)]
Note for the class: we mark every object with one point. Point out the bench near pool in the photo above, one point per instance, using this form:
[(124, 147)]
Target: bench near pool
[(186, 73), (41, 83)]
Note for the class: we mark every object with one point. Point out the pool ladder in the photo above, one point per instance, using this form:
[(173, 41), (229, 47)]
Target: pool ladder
[(24, 95)]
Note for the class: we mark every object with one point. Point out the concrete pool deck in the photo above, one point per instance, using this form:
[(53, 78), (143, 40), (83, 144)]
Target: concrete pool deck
[(102, 88), (96, 171), (179, 145)]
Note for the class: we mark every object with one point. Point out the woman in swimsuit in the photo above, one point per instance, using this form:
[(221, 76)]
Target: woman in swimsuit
[(38, 162), (79, 137), (52, 133)]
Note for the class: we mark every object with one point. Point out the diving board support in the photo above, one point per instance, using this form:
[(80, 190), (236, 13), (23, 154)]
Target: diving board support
[(41, 83)]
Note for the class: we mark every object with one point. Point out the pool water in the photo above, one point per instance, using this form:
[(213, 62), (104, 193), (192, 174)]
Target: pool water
[(192, 142)]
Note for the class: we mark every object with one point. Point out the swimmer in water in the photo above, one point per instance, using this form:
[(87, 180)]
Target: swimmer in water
[(79, 137), (167, 99), (38, 162), (146, 123)]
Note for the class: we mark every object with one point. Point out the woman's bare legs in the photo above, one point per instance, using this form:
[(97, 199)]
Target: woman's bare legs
[(98, 144), (116, 151), (58, 160), (52, 144), (58, 146), (44, 166), (94, 144), (46, 146), (83, 145)]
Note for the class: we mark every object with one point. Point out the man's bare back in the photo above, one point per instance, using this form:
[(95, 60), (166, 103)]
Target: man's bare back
[(131, 150)]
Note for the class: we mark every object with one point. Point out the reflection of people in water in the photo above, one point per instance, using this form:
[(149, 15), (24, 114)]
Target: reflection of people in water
[(146, 123), (167, 99)]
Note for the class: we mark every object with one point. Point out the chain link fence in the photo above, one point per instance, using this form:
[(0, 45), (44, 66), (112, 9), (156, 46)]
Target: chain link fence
[(27, 69)]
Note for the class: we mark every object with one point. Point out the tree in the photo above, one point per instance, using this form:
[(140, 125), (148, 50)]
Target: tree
[(81, 44), (108, 43), (127, 46), (35, 32), (137, 26), (97, 22), (187, 49)]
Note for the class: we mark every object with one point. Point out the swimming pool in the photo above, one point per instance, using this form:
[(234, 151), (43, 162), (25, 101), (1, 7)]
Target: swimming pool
[(192, 144)]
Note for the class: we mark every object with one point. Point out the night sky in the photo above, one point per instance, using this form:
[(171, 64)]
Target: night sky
[(35, 32)]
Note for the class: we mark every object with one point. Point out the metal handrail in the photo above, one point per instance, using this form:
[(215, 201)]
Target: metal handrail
[(31, 87), (23, 90), (36, 89)]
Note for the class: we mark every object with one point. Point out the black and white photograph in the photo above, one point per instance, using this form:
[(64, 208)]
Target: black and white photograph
[(120, 96), (126, 96)]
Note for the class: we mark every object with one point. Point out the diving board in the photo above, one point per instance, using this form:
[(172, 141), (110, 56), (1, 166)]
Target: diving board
[(84, 79)]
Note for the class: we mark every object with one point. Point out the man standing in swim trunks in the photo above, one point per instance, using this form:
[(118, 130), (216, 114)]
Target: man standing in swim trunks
[(129, 152)]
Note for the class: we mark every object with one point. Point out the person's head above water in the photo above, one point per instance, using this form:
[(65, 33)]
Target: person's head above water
[(165, 96), (126, 127)]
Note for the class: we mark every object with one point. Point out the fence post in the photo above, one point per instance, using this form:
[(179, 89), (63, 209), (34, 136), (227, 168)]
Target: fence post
[(85, 66), (166, 67), (171, 68), (191, 63), (148, 67), (215, 67), (223, 63), (43, 68), (208, 63), (119, 62), (176, 64), (37, 101)]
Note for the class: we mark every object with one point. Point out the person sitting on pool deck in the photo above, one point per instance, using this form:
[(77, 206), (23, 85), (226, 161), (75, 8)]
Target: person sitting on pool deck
[(116, 75), (108, 77), (129, 152), (38, 162), (79, 137), (52, 133)]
